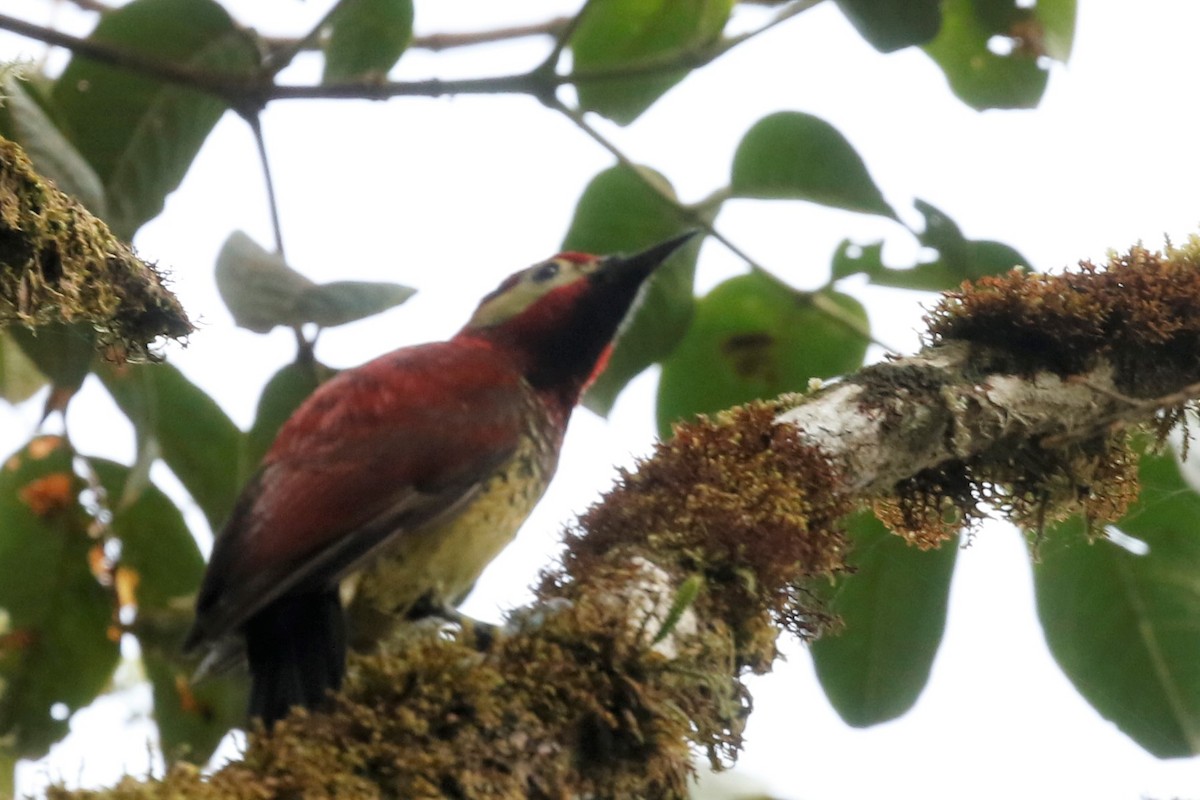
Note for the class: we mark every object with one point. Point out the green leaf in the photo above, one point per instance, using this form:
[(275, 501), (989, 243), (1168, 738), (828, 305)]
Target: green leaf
[(339, 302), (790, 155), (8, 773), (367, 38), (52, 154), (1016, 76), (892, 24), (753, 337), (959, 258), (644, 37), (141, 135), (19, 377), (192, 719), (156, 545), (1057, 18), (894, 610), (282, 395), (56, 620), (258, 287), (262, 291), (62, 352), (620, 213), (1125, 626), (162, 566), (198, 441)]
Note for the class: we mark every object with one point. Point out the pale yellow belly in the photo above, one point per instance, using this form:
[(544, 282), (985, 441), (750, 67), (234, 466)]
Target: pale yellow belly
[(441, 563)]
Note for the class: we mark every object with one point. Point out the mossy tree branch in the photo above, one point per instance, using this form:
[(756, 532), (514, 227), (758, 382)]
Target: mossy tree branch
[(681, 580), (58, 263)]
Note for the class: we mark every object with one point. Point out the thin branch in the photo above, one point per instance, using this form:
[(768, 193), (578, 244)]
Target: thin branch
[(251, 92), (696, 215), (235, 90), (687, 59), (254, 91), (281, 57), (522, 83), (304, 346), (437, 42), (255, 123), (445, 41), (94, 6), (549, 65)]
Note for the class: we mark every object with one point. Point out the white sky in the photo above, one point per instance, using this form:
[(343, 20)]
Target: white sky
[(450, 195)]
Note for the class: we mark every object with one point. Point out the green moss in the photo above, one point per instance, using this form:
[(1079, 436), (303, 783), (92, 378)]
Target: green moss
[(58, 263)]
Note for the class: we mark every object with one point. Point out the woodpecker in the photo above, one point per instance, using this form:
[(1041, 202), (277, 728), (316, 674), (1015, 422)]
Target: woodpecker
[(406, 476)]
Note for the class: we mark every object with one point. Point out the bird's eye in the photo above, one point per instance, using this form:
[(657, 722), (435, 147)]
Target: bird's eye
[(545, 272)]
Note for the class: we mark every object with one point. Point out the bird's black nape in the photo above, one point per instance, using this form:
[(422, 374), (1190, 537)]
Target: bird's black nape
[(296, 648)]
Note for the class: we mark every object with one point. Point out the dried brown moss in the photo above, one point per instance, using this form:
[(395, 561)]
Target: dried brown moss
[(573, 703), (1141, 311), (1029, 485), (739, 501), (58, 263)]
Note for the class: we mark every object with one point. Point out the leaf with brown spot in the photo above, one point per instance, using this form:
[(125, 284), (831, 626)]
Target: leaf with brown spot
[(752, 337), (59, 649)]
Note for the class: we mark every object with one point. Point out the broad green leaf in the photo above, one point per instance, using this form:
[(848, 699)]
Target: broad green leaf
[(339, 302), (156, 545), (366, 38), (894, 610), (58, 643), (959, 258), (790, 155), (282, 395), (753, 337), (192, 719), (62, 352), (19, 377), (620, 213), (1124, 624), (892, 24), (159, 570), (1057, 18), (642, 38), (8, 773), (258, 287), (141, 135), (198, 441), (52, 154), (262, 291), (1012, 72)]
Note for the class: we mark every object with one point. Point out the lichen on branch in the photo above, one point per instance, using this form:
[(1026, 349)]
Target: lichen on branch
[(58, 263)]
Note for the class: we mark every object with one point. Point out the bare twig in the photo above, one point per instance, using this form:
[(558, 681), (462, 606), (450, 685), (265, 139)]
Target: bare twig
[(255, 123), (688, 59), (255, 90), (698, 216), (92, 5), (281, 57), (229, 87), (446, 41), (437, 42)]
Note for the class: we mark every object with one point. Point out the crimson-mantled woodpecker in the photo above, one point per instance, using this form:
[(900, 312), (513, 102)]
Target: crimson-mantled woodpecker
[(407, 475)]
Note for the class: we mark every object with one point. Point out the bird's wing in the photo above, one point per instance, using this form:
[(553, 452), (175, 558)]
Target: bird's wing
[(379, 450)]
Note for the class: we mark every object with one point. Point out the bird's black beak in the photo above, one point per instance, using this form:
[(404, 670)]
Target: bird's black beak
[(637, 268)]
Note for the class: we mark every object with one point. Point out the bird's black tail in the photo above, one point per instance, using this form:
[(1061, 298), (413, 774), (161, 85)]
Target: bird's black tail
[(296, 647)]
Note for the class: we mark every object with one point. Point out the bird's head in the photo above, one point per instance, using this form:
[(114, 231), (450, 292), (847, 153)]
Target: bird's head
[(558, 318)]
